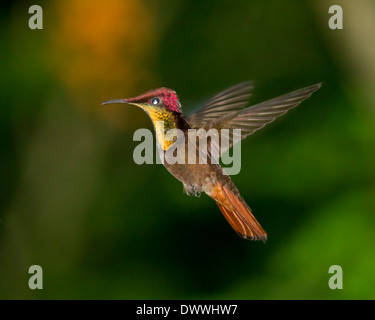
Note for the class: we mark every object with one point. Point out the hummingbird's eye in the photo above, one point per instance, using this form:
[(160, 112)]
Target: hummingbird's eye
[(155, 101)]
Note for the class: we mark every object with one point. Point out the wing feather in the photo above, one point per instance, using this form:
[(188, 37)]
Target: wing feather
[(225, 111), (226, 102)]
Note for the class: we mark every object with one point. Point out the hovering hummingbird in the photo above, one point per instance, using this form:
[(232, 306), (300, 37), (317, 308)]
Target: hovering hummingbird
[(227, 110)]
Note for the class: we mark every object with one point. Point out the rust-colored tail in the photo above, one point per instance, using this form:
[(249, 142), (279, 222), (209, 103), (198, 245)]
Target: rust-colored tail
[(238, 213)]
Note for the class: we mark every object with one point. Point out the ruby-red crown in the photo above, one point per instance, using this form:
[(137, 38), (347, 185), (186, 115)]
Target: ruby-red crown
[(167, 98)]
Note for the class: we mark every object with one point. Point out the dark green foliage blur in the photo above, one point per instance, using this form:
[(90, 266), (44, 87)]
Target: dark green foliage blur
[(73, 201)]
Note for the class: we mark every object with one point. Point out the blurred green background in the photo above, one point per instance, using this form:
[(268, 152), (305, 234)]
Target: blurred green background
[(74, 202)]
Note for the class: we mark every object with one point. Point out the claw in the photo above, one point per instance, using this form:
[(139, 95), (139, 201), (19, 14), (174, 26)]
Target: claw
[(191, 190)]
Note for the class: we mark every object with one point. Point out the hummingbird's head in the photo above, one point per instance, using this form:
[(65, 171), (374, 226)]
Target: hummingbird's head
[(158, 100), (163, 108)]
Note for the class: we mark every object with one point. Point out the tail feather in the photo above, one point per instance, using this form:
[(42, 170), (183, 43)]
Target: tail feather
[(238, 214)]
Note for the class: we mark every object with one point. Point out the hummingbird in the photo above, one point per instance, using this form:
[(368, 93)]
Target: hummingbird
[(227, 110)]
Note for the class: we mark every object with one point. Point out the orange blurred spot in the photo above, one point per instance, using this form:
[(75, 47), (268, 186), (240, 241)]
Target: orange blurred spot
[(102, 49)]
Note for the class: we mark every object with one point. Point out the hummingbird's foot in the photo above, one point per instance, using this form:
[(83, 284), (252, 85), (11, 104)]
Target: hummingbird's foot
[(191, 190)]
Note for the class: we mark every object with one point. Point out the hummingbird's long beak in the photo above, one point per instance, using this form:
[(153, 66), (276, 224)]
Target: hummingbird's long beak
[(127, 101), (116, 101)]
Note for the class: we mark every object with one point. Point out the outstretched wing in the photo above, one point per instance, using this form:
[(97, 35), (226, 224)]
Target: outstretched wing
[(229, 101), (252, 118)]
